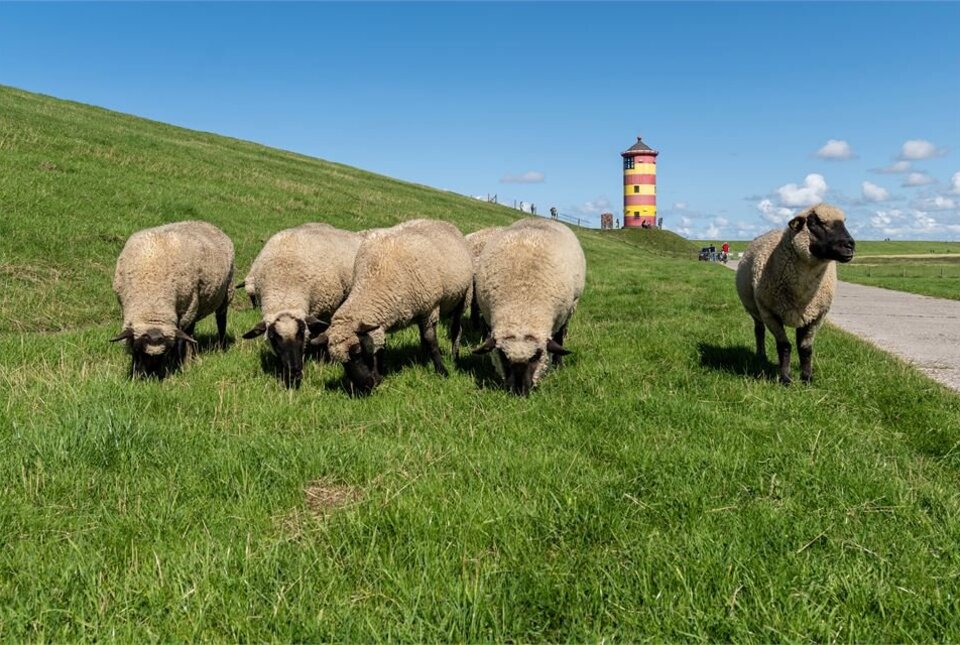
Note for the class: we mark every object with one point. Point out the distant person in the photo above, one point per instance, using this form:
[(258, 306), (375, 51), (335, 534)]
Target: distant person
[(533, 209), (553, 212), (725, 248), (618, 222)]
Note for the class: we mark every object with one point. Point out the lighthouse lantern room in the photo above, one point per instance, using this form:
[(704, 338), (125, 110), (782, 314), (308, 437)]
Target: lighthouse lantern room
[(639, 186)]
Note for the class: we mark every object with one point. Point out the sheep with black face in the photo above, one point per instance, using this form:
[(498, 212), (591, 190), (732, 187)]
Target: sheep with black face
[(302, 275), (530, 278), (788, 277), (167, 278), (415, 272)]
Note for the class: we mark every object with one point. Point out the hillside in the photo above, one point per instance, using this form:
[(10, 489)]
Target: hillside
[(653, 489)]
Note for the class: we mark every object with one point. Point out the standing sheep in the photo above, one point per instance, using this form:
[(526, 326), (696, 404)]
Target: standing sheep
[(788, 278), (168, 278), (529, 281), (415, 272), (302, 275), (477, 241)]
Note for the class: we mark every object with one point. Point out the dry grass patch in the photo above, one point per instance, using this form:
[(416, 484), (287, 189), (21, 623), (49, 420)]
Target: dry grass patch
[(324, 496)]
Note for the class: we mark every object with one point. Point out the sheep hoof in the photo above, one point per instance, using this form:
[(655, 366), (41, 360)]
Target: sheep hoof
[(785, 380), (807, 378)]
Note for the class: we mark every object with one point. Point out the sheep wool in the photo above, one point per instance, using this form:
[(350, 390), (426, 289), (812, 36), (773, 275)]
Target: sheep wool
[(417, 271), (302, 275), (788, 278), (530, 278), (169, 277)]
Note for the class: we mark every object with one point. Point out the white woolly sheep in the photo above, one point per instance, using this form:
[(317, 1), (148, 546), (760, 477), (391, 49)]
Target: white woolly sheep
[(530, 278), (302, 275), (167, 279), (788, 278), (477, 241), (415, 272)]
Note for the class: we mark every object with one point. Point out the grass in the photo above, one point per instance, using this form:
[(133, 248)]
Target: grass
[(654, 489)]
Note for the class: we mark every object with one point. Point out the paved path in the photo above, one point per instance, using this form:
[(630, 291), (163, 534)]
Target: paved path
[(923, 331)]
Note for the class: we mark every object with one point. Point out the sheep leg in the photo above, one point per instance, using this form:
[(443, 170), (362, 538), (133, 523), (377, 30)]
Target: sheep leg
[(186, 349), (456, 327), (222, 326), (428, 341), (759, 333), (379, 363), (557, 359), (805, 337), (783, 346)]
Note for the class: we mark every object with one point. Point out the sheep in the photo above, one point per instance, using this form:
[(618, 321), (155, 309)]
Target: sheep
[(477, 241), (168, 278), (530, 279), (415, 272), (302, 275), (788, 278)]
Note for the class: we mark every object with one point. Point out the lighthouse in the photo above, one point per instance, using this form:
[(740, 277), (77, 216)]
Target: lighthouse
[(639, 186)]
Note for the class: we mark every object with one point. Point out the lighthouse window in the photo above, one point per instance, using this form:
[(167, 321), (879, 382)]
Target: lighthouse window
[(628, 163), (636, 189)]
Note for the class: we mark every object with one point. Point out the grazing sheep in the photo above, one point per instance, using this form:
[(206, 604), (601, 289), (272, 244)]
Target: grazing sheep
[(477, 241), (302, 275), (415, 272), (168, 278), (788, 278), (529, 281)]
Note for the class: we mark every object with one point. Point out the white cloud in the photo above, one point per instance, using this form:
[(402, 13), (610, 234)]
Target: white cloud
[(836, 149), (774, 214), (917, 179), (896, 168), (920, 149), (939, 203), (682, 205), (874, 193), (713, 231), (529, 177), (955, 183), (721, 222), (810, 193), (912, 224), (593, 206), (686, 222)]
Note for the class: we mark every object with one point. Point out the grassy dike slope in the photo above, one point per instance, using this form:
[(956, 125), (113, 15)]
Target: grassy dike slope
[(653, 489)]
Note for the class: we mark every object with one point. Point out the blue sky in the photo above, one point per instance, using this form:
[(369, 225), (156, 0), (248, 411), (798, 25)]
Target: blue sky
[(738, 98)]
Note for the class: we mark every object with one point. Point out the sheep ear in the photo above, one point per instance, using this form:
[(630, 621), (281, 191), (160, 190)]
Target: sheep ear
[(487, 346), (315, 325), (182, 335), (364, 328), (257, 330), (126, 334), (797, 224), (321, 340), (556, 348)]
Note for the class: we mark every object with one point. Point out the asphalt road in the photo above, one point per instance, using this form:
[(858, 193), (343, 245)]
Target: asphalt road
[(921, 330)]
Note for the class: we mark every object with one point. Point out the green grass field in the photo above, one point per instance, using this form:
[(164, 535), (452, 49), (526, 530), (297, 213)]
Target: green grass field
[(654, 489)]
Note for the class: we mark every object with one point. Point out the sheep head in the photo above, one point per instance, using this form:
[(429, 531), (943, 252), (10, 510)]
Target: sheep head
[(360, 349), (155, 351), (288, 334), (521, 360), (820, 234)]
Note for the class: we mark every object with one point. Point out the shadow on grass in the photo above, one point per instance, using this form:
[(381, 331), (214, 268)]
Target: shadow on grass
[(211, 343), (480, 366), (735, 360)]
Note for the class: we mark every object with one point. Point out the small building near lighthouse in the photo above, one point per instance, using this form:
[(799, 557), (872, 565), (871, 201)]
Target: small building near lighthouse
[(639, 186)]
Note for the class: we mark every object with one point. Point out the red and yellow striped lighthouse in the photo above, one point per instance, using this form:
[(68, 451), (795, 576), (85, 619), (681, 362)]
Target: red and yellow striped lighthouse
[(639, 186)]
